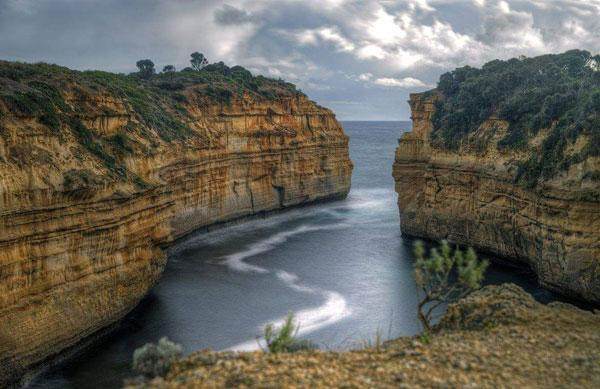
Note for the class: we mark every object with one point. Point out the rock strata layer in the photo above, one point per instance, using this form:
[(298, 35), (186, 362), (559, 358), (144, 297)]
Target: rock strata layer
[(470, 197), (80, 244)]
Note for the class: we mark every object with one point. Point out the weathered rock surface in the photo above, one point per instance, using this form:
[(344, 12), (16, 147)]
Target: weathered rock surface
[(80, 244), (496, 337), (470, 197)]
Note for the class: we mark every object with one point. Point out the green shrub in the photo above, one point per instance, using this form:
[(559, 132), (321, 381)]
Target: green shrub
[(219, 94), (283, 340), (155, 360), (121, 142), (445, 277), (77, 179)]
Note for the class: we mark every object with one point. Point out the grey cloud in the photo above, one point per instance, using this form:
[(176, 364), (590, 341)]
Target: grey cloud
[(500, 27), (228, 15), (321, 45)]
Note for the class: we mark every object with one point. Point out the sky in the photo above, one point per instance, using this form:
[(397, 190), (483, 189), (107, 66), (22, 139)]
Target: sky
[(359, 58)]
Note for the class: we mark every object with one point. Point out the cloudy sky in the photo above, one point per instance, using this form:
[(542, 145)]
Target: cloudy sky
[(360, 58)]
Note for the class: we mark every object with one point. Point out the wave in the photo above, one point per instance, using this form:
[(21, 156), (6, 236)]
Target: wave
[(370, 198), (291, 280), (366, 206), (334, 309), (236, 262)]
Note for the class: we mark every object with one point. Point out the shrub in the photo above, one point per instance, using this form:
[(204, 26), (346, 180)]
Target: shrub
[(445, 277), (219, 94), (283, 340), (35, 102), (121, 143), (77, 179), (155, 360)]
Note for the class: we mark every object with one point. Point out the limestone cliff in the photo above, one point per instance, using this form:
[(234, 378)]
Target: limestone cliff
[(98, 171), (470, 196)]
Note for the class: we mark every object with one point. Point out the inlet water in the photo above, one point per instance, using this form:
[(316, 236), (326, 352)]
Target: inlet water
[(342, 267)]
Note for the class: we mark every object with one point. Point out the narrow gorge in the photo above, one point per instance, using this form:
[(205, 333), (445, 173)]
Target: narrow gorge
[(99, 171), (514, 174)]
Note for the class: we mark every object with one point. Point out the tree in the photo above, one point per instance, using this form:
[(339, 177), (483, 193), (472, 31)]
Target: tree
[(146, 68), (445, 277), (169, 69), (198, 61)]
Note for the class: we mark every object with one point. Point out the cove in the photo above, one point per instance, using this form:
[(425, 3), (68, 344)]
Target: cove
[(342, 267)]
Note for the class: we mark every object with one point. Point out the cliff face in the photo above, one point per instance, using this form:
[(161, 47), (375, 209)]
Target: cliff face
[(470, 197), (90, 188)]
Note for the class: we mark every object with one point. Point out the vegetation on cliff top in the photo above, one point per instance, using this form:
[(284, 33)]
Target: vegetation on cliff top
[(62, 100), (557, 92)]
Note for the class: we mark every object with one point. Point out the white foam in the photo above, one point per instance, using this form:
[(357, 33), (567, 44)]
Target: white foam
[(370, 198), (291, 280), (309, 320), (334, 309), (364, 206), (236, 262)]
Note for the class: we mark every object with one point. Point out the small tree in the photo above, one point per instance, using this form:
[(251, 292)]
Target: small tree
[(169, 69), (146, 67), (445, 277), (284, 340), (198, 61)]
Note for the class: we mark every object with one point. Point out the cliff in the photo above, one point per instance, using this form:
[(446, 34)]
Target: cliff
[(497, 337), (98, 171), (504, 183)]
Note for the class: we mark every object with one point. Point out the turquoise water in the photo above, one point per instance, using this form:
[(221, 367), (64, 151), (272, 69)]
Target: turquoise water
[(342, 267)]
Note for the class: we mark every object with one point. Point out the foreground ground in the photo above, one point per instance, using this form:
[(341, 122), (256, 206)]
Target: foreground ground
[(497, 337)]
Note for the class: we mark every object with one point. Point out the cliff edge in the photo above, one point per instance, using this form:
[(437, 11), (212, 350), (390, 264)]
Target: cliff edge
[(99, 170), (507, 159), (498, 336)]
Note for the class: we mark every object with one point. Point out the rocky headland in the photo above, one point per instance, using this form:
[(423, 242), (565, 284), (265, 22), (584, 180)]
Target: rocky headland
[(498, 336), (506, 159), (98, 171)]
